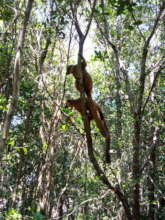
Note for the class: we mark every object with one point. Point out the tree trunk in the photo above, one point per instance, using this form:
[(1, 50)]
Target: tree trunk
[(151, 187), (16, 78), (151, 178), (136, 168), (118, 129)]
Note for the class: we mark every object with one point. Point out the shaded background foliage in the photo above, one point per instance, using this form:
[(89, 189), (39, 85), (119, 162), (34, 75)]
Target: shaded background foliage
[(45, 170)]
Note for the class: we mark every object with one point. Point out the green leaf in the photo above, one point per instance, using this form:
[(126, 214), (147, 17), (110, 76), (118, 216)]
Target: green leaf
[(25, 150), (11, 142), (138, 22), (63, 127)]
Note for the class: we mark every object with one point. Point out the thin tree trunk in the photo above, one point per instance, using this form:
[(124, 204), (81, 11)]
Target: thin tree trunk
[(138, 113), (16, 78), (118, 129), (151, 187), (136, 167), (152, 170), (45, 176)]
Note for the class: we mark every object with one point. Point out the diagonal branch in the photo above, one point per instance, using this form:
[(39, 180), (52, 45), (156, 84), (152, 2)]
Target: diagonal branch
[(74, 15), (144, 56), (91, 17), (103, 177), (134, 18), (119, 67), (153, 86), (82, 36)]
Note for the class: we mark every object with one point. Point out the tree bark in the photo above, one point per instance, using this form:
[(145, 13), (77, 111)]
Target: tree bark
[(136, 167), (99, 171), (152, 170), (16, 78), (138, 114), (105, 32), (151, 187)]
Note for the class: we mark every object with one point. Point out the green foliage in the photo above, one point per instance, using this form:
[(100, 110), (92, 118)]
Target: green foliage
[(101, 55), (122, 6), (13, 214), (33, 214), (45, 168), (64, 127), (6, 12), (3, 103)]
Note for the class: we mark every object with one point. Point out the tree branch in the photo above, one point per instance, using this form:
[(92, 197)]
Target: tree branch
[(91, 17), (99, 171), (128, 89), (16, 77), (144, 56), (82, 36), (152, 87)]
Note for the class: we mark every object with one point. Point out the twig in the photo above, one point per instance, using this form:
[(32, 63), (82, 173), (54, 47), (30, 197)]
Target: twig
[(141, 34)]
